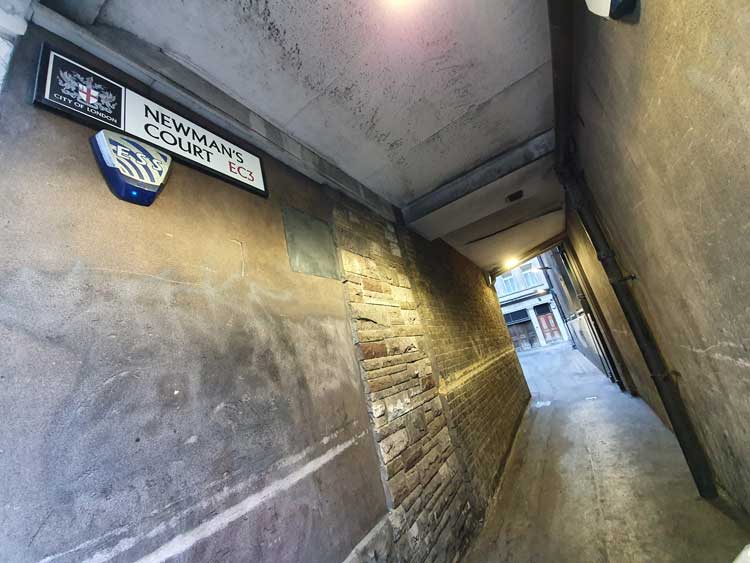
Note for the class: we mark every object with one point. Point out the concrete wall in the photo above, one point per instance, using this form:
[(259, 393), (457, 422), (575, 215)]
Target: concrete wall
[(580, 325), (167, 381), (663, 137), (585, 342), (613, 317)]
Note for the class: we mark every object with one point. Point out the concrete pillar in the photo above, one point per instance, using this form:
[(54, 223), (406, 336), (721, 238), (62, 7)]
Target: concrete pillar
[(12, 24), (6, 49)]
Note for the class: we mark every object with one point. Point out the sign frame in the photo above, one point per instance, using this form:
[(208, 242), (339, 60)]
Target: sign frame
[(100, 69)]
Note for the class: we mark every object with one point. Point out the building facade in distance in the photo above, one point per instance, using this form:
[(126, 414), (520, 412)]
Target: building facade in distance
[(529, 307)]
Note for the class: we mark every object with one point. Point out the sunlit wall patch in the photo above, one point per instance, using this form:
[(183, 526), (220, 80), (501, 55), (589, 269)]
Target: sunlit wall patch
[(135, 171)]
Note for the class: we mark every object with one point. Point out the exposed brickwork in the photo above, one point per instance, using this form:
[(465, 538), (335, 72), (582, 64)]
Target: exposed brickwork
[(486, 404), (430, 517), (404, 323), (480, 377), (461, 314)]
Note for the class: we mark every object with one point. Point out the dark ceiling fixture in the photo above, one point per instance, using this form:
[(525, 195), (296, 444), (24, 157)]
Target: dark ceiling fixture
[(515, 196)]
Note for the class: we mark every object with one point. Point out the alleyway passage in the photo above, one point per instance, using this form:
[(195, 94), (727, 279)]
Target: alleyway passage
[(595, 478)]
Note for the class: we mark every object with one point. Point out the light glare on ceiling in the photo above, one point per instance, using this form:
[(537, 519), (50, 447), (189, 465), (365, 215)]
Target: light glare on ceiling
[(511, 263), (402, 6)]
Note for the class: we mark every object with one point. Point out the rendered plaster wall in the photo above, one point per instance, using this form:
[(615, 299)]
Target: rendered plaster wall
[(664, 108), (170, 387)]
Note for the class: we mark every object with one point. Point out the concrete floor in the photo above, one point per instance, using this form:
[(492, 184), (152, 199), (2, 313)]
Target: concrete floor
[(594, 477)]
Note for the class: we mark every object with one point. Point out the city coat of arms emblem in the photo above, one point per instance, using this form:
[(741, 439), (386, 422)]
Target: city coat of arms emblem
[(75, 89), (87, 91)]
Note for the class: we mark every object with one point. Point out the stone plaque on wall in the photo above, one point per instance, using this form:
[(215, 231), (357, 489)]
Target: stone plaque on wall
[(310, 244)]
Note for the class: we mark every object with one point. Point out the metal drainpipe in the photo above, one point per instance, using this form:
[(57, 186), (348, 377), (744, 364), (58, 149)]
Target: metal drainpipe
[(663, 378)]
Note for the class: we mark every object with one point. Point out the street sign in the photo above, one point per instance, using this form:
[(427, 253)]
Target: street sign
[(88, 95)]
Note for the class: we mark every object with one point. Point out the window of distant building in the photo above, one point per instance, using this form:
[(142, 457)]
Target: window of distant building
[(516, 317), (509, 284), (530, 277)]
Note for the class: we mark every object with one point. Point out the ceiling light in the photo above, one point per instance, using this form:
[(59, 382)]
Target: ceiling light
[(397, 4), (511, 263)]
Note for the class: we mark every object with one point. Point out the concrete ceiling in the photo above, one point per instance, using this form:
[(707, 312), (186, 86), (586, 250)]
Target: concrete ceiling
[(402, 95), (492, 228)]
